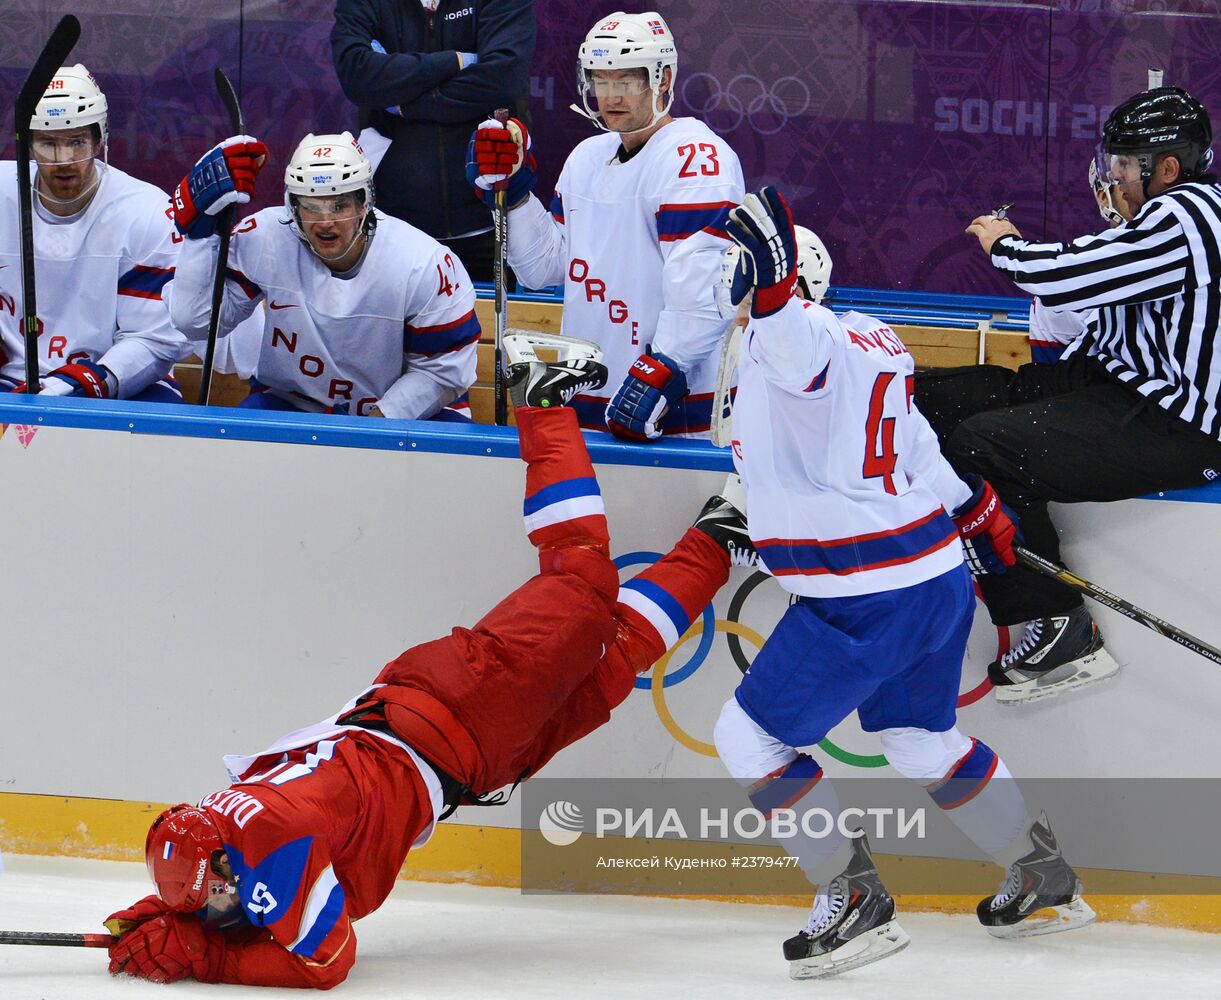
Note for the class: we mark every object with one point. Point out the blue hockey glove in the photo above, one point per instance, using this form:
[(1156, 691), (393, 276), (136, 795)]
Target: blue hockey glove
[(223, 176), (987, 528), (763, 227), (654, 383), (82, 378), (499, 158)]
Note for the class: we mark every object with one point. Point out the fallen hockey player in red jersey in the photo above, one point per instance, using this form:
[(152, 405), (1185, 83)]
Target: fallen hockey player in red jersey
[(260, 883)]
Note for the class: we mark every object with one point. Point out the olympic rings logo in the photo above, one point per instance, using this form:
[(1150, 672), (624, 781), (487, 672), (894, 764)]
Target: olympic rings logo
[(705, 627), (746, 98)]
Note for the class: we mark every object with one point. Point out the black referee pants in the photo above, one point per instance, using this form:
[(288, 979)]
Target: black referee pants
[(1068, 433)]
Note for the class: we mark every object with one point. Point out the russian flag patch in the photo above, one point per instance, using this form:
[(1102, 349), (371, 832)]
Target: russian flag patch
[(168, 852)]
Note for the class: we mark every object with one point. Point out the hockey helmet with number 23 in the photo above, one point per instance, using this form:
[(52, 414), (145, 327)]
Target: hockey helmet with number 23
[(628, 41)]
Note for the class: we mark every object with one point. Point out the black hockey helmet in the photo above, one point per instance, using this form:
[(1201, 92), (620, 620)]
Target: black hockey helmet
[(1158, 121)]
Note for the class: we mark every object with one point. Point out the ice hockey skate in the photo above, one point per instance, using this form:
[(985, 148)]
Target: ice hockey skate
[(1041, 894), (1058, 653), (533, 382), (723, 519), (851, 924)]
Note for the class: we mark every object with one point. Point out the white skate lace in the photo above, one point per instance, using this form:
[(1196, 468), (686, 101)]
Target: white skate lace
[(1034, 633), (575, 390), (825, 910), (1009, 888)]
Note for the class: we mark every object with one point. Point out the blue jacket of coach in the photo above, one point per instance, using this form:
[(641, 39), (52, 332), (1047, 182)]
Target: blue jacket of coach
[(436, 103)]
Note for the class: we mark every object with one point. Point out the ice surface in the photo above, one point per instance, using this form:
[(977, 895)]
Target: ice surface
[(448, 941)]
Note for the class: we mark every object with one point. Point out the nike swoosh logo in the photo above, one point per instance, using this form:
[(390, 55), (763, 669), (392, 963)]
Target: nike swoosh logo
[(286, 305)]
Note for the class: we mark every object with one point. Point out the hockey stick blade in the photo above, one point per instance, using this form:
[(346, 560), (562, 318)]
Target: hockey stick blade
[(225, 224), (1104, 597), (54, 54), (57, 940)]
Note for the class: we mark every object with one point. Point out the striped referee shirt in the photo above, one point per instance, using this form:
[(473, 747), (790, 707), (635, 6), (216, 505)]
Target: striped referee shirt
[(1156, 283)]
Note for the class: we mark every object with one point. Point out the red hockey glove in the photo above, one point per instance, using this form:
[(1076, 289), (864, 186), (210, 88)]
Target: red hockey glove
[(123, 921), (83, 378), (223, 176), (498, 158), (986, 528), (169, 948)]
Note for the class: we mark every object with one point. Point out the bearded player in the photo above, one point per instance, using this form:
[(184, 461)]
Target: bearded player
[(635, 232)]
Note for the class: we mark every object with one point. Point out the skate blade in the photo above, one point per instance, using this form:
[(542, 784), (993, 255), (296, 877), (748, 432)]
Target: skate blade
[(867, 948), (1051, 920), (1097, 666)]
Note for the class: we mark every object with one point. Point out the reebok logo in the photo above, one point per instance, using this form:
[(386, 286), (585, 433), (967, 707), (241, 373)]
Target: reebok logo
[(282, 305), (199, 875)]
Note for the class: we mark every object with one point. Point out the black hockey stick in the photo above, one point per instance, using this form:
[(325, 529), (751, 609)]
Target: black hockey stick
[(57, 940), (1040, 565), (54, 54), (500, 262), (225, 224)]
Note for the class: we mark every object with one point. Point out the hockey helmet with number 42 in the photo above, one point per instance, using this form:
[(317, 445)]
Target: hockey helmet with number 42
[(629, 41), (323, 166)]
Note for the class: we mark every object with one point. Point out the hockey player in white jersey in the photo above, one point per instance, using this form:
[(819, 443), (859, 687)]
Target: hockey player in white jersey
[(855, 512), (103, 250), (635, 231), (364, 314)]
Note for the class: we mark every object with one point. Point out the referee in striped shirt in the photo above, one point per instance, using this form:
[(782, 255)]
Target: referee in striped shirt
[(1135, 405)]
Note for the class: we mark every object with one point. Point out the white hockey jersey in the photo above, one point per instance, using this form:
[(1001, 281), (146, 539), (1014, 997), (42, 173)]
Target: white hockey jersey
[(99, 277), (847, 491), (398, 331), (1053, 330), (637, 246)]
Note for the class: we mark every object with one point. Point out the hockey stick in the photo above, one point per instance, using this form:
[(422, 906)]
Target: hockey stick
[(225, 223), (57, 940), (1040, 565), (54, 54), (499, 263), (722, 399)]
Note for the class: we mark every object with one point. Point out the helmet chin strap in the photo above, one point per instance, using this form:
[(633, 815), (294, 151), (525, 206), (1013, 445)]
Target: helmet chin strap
[(49, 199), (360, 231)]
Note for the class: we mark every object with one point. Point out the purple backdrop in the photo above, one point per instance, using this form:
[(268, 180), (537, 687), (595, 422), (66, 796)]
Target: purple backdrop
[(889, 124)]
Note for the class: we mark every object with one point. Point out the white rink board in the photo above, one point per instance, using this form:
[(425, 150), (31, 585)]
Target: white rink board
[(167, 600)]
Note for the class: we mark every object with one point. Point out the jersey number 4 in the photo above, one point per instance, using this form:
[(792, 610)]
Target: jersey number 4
[(880, 456)]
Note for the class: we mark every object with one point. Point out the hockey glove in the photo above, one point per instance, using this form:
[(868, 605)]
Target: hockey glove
[(223, 176), (124, 921), (654, 383), (82, 378), (170, 948), (763, 227), (499, 158), (987, 528)]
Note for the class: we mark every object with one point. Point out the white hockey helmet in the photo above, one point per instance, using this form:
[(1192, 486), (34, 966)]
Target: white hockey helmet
[(813, 264), (73, 99), (629, 41), (325, 165)]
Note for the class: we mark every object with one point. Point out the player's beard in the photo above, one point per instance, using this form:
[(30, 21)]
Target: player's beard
[(66, 189)]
